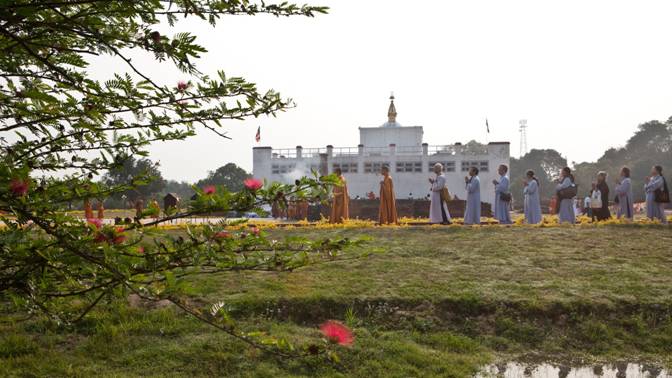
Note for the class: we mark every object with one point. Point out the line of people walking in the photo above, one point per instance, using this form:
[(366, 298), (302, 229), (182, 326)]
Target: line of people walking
[(598, 200), (566, 190)]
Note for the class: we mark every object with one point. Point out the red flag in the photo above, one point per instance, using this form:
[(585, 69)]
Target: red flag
[(258, 136)]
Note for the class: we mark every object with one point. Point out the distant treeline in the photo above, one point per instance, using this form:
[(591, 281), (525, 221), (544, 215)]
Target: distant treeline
[(156, 187), (650, 145)]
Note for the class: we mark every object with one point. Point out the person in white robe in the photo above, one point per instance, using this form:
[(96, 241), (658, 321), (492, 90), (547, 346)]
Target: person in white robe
[(625, 206), (472, 212), (654, 209), (502, 204), (532, 203), (438, 208), (566, 207)]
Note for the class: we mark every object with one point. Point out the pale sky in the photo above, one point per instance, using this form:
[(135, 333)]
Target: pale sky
[(583, 73)]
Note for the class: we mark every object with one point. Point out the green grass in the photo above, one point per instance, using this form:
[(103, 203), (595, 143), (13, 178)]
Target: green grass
[(436, 302)]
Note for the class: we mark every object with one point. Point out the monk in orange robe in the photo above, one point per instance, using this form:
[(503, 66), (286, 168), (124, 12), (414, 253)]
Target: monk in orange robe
[(340, 204), (101, 210), (291, 210), (88, 210), (388, 207), (303, 210)]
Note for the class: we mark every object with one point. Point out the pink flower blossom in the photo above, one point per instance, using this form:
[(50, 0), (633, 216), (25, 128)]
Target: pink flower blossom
[(141, 250), (119, 236), (19, 187), (337, 333), (209, 189), (221, 235), (95, 222), (256, 231), (100, 238), (182, 86), (156, 36), (253, 184)]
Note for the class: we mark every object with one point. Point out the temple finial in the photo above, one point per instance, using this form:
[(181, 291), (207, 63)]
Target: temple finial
[(392, 111)]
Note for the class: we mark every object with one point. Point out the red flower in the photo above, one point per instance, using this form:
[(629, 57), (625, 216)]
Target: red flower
[(182, 86), (210, 189), (221, 235), (253, 184), (256, 231), (100, 238), (119, 236), (156, 36), (337, 333), (97, 223), (19, 187)]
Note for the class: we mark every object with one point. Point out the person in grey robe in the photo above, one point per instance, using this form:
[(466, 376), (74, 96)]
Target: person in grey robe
[(566, 206), (532, 204), (472, 213), (502, 189), (625, 208), (655, 210), (438, 208)]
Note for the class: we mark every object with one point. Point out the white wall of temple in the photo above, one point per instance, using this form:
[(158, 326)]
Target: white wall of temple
[(384, 136), (261, 162), (410, 172)]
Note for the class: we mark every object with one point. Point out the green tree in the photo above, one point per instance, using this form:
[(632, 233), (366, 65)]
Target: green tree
[(125, 173), (650, 145), (229, 176), (60, 127), (546, 165)]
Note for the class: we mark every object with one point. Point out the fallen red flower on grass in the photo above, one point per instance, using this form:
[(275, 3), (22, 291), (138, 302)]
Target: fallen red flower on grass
[(337, 333)]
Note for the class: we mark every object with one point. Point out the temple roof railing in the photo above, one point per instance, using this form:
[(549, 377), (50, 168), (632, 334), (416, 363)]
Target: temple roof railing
[(470, 149)]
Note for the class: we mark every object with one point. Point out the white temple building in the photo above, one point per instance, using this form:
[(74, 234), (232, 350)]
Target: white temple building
[(399, 147)]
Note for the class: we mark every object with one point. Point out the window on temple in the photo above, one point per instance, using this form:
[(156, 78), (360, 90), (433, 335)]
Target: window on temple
[(409, 166), (346, 167), (278, 169), (374, 167), (482, 166)]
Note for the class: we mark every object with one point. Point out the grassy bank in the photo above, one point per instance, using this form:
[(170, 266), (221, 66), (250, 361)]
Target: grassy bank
[(436, 302)]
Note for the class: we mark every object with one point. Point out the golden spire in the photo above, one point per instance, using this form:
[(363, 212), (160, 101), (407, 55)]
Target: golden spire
[(392, 111)]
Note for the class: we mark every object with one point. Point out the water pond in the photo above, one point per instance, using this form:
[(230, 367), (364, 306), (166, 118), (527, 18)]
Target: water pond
[(547, 370)]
